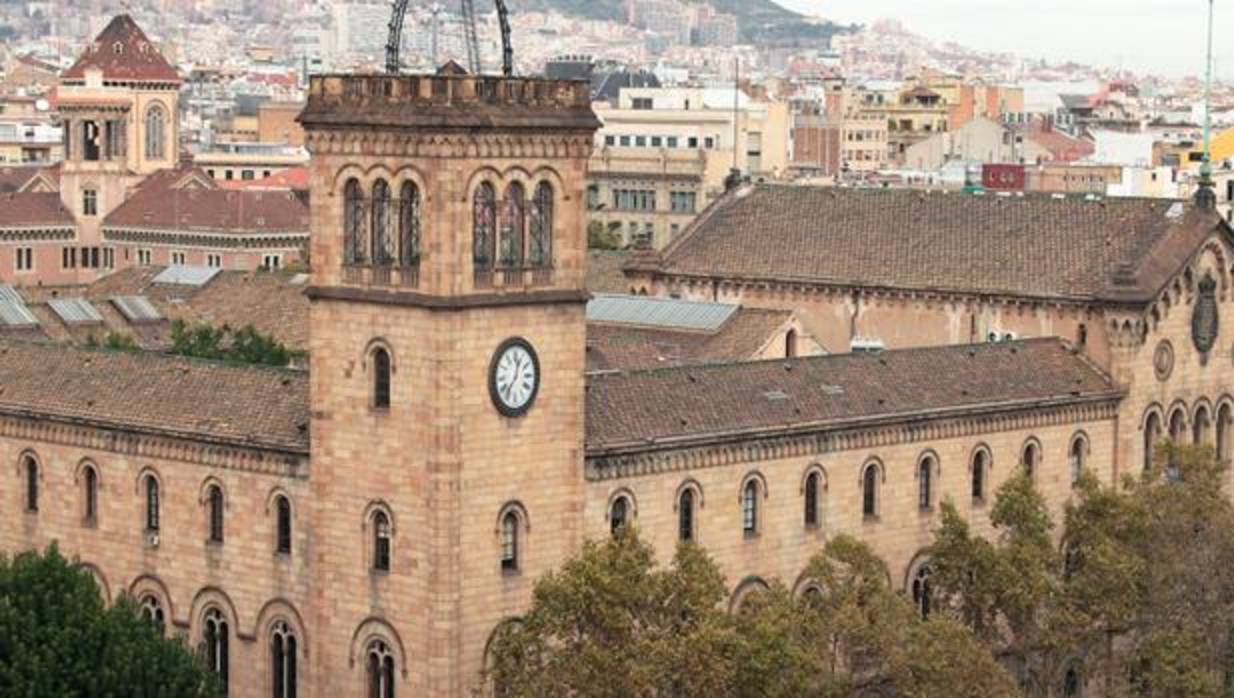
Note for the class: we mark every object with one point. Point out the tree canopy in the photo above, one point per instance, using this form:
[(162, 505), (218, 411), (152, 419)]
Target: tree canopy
[(57, 638), (246, 345)]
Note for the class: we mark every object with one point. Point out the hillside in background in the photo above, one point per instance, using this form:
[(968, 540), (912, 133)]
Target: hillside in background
[(761, 21)]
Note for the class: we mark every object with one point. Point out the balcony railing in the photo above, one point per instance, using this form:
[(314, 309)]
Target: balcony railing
[(381, 275), (523, 277)]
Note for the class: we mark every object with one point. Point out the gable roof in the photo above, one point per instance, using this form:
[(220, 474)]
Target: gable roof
[(136, 59), (642, 410), (1032, 246), (155, 393), (25, 208), (190, 200)]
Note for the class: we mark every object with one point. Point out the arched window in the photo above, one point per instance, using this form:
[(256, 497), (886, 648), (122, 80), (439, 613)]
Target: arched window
[(215, 637), (540, 243), (90, 493), (925, 481), (381, 541), (32, 484), (1201, 426), (790, 344), (869, 491), (484, 217), (152, 609), (1075, 458), (813, 485), (381, 378), (354, 238), (1152, 436), (409, 225), (685, 516), (513, 225), (380, 671), (380, 226), (1082, 335), (156, 124), (152, 504), (749, 507), (282, 509), (981, 463), (283, 661), (1030, 458), (921, 590), (214, 500), (1225, 419), (509, 542), (619, 514), (1178, 426)]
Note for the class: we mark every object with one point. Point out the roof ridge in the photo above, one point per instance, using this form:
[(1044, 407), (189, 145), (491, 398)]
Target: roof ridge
[(147, 355)]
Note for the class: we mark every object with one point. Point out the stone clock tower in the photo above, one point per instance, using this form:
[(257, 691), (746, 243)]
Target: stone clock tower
[(447, 342)]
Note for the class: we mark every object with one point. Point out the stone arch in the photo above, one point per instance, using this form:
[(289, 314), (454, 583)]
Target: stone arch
[(755, 475), (99, 578), (374, 506), (1201, 419), (752, 584), (152, 584), (142, 474), (916, 581), (1177, 417), (484, 173), (375, 628), (373, 345), (29, 454), (281, 609), (804, 584), (517, 507), (689, 484), (345, 174), (813, 468), (80, 471), (276, 492), (203, 491), (629, 496), (205, 599)]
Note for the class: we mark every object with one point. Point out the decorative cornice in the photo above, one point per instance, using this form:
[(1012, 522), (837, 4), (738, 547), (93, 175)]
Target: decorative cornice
[(448, 303), (492, 146), (81, 433), (38, 233), (181, 238), (652, 459)]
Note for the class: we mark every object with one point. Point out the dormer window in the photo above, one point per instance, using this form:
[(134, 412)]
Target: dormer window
[(117, 48)]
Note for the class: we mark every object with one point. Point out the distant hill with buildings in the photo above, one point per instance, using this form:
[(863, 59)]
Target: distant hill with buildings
[(759, 20)]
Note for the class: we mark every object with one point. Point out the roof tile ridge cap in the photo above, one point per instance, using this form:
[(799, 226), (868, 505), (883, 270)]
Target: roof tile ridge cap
[(1087, 360)]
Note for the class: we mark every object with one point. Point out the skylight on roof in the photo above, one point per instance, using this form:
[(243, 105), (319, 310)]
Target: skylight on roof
[(186, 275), (75, 311), (13, 310), (659, 312), (136, 309)]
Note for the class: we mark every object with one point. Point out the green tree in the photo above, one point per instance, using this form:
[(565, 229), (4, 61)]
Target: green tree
[(58, 639), (601, 238), (119, 341), (246, 345)]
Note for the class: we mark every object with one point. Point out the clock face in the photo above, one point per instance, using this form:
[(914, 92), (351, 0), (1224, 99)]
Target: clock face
[(514, 377)]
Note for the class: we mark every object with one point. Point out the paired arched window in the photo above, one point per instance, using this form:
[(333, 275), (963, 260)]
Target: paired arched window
[(216, 639), (1076, 456), (32, 484), (381, 378), (869, 491), (355, 241), (484, 220), (510, 541), (152, 504), (920, 588), (214, 503), (1225, 420), (540, 239), (1030, 458), (980, 468), (282, 661), (282, 509), (750, 492), (381, 541), (685, 515), (381, 224), (152, 609), (409, 225), (813, 487), (925, 482), (156, 125), (380, 670), (619, 514), (90, 493), (1152, 436)]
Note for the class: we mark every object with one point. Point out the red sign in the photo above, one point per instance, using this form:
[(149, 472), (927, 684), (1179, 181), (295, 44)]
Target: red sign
[(1003, 177)]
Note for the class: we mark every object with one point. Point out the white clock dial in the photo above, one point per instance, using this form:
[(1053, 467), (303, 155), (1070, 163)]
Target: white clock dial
[(515, 377)]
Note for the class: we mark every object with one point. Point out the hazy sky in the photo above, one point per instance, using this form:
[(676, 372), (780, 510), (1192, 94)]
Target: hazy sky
[(1157, 36)]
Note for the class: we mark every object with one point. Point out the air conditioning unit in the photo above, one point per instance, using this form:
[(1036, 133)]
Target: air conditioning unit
[(152, 539)]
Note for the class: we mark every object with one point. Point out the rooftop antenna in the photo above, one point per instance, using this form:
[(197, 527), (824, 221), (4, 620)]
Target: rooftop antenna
[(1204, 196)]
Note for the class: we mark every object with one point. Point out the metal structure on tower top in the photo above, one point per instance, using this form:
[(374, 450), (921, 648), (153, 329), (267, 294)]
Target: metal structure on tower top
[(394, 43)]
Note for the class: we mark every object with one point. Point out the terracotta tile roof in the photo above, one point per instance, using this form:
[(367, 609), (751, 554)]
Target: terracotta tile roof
[(164, 202), (604, 273), (33, 208), (293, 178), (13, 178), (647, 409), (1037, 245), (1062, 146), (137, 58), (156, 393), (625, 347)]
